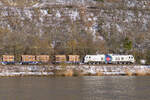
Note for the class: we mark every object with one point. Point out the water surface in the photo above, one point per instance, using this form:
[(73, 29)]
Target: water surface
[(75, 88)]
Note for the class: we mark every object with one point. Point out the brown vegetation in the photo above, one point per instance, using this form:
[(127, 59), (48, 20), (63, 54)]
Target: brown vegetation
[(69, 73), (141, 72), (99, 74), (128, 72), (52, 35)]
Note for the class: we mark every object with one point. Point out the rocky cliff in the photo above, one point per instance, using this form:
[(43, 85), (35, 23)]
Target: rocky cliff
[(108, 22)]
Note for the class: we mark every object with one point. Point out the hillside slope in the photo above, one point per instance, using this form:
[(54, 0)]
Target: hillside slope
[(76, 26)]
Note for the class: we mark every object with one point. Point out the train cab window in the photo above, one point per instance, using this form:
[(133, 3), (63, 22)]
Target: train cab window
[(122, 58)]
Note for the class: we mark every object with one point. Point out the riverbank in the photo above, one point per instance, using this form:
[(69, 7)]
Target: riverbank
[(73, 70)]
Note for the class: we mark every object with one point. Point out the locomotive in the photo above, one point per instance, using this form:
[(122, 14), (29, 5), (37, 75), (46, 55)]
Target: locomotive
[(109, 59)]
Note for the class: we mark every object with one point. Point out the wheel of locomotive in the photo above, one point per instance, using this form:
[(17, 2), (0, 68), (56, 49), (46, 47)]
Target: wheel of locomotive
[(90, 63), (99, 63), (113, 63), (116, 62), (130, 63), (87, 63), (120, 63)]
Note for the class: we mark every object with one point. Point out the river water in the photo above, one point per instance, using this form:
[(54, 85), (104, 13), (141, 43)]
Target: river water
[(75, 88)]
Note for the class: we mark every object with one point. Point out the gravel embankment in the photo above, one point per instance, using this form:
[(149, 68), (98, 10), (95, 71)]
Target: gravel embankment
[(73, 70)]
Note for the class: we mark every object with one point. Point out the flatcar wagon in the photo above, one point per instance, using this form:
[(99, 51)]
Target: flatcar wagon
[(60, 59), (8, 59), (74, 59), (43, 58), (28, 59)]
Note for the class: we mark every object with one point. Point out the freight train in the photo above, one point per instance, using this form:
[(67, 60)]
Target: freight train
[(71, 59)]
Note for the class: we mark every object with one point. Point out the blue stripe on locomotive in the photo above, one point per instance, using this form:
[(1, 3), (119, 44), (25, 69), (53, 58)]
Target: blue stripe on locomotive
[(108, 57)]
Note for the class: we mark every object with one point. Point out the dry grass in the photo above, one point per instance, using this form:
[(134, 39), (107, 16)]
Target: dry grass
[(128, 72), (64, 73), (99, 74), (68, 73), (148, 72), (77, 73), (141, 72)]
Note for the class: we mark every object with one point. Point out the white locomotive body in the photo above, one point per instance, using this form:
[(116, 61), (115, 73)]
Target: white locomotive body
[(109, 59), (122, 59), (94, 58)]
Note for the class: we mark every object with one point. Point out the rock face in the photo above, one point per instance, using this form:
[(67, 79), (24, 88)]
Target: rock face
[(106, 20)]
